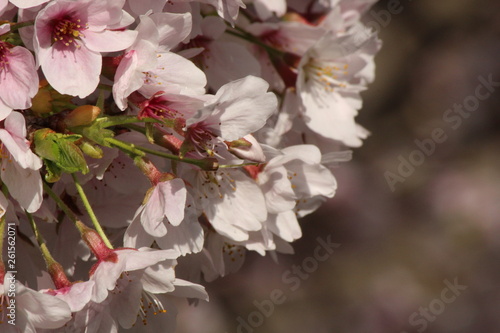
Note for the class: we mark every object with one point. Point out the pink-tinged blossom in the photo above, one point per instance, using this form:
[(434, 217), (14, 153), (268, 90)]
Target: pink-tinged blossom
[(149, 67), (231, 201), (187, 237), (331, 76), (18, 77), (109, 269), (165, 204), (69, 39), (293, 182), (76, 295), (19, 165), (33, 310), (308, 177), (239, 108), (140, 302)]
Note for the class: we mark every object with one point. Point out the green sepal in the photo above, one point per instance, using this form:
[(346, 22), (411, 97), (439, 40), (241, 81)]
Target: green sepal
[(150, 130), (98, 134), (91, 150)]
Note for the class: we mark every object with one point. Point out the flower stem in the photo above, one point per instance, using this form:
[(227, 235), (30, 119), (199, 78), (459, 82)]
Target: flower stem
[(207, 164), (69, 213), (49, 260), (229, 166), (90, 211), (20, 25), (123, 120), (54, 268), (252, 39)]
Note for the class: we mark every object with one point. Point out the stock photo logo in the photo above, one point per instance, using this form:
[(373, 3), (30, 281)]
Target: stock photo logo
[(453, 118), (421, 319), (292, 279)]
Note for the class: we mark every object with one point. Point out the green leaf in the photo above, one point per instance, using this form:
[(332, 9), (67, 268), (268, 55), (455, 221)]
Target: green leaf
[(53, 171), (61, 150)]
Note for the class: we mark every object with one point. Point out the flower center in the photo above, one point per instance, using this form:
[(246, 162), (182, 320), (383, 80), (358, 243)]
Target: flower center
[(202, 138), (150, 304), (158, 108), (330, 76), (67, 31), (215, 184)]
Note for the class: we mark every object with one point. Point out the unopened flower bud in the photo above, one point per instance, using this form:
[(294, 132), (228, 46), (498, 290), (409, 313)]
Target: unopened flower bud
[(247, 148), (48, 101), (82, 115)]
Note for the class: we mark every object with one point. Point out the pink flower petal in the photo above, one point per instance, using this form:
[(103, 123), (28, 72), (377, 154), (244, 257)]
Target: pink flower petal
[(25, 185), (73, 71), (19, 81), (109, 41)]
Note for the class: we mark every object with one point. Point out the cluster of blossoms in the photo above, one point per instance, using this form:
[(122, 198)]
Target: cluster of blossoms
[(147, 145)]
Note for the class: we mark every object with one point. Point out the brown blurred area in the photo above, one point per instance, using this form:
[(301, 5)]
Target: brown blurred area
[(399, 250)]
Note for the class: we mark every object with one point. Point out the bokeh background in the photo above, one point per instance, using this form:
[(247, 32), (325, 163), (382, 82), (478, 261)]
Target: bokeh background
[(398, 247)]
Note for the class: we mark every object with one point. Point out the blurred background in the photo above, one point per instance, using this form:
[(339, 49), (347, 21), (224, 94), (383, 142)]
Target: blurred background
[(400, 251)]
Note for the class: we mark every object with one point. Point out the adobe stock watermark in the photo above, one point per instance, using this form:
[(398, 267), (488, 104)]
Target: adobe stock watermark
[(380, 18), (420, 319), (454, 117), (293, 278)]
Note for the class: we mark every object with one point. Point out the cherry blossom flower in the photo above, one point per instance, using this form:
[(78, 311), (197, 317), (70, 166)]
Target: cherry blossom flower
[(109, 269), (222, 195), (140, 298), (239, 108), (329, 86), (77, 295), (33, 310), (165, 202), (185, 238), (210, 134), (69, 39), (19, 165), (18, 77), (148, 67)]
